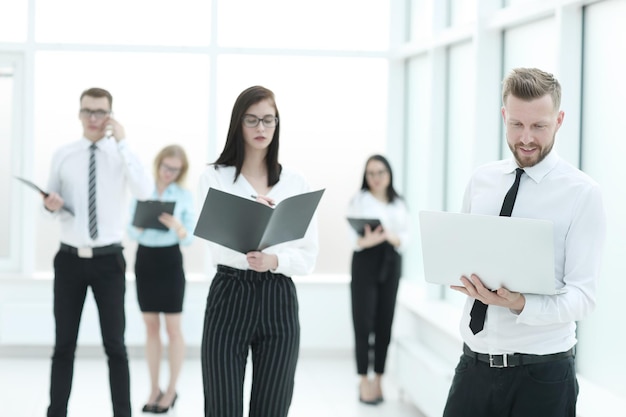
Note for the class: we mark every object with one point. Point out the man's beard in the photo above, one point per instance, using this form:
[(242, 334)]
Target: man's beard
[(527, 162)]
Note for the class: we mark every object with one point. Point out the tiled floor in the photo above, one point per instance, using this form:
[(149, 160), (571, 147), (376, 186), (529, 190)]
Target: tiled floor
[(325, 387)]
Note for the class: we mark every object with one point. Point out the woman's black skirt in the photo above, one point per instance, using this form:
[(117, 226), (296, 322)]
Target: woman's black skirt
[(160, 279)]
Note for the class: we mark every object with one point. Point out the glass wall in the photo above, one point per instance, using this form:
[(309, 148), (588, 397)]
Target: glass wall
[(462, 12), (603, 147), (176, 79), (13, 21), (7, 167), (421, 20), (460, 122), (159, 98), (287, 24), (459, 134), (12, 138), (419, 154), (121, 22), (576, 41)]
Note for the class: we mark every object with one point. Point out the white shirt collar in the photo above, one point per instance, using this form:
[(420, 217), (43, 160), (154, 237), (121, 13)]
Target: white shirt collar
[(536, 172)]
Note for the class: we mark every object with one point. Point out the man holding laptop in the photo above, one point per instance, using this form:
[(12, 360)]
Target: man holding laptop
[(518, 355)]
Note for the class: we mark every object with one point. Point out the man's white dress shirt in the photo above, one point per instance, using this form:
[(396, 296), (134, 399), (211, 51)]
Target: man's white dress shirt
[(552, 190), (116, 169)]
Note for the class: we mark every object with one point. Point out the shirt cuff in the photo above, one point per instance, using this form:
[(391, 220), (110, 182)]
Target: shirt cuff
[(531, 308), (283, 265)]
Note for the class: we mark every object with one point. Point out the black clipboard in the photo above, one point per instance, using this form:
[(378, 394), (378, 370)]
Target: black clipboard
[(246, 225), (147, 213), (42, 192), (359, 224)]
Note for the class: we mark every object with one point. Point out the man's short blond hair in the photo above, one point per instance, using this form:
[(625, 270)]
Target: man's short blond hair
[(531, 83)]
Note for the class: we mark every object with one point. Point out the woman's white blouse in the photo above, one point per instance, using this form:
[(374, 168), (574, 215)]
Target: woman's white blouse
[(296, 257), (394, 217)]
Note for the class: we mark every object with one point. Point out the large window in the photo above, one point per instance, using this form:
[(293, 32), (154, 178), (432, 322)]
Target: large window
[(11, 163), (421, 19), (7, 94), (120, 22), (576, 41), (462, 12), (288, 24), (175, 72), (13, 21), (159, 98), (603, 147), (423, 185), (460, 122)]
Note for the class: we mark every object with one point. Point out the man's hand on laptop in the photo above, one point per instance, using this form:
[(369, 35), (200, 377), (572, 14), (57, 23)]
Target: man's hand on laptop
[(502, 297)]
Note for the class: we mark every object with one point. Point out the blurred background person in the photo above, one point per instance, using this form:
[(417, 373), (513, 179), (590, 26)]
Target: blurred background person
[(159, 273), (376, 271), (87, 187)]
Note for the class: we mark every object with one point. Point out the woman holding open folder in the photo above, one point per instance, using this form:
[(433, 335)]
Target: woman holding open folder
[(376, 270), (252, 302), (159, 273)]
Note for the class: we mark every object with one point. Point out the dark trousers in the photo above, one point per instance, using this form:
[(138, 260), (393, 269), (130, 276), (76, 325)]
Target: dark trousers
[(540, 390), (374, 287), (250, 310), (105, 276)]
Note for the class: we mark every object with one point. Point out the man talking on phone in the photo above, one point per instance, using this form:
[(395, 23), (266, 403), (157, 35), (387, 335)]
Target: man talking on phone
[(90, 176)]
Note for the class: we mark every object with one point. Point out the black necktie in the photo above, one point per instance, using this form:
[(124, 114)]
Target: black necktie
[(93, 221), (479, 309)]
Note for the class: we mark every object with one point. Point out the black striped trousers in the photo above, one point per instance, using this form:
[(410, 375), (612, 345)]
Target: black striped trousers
[(250, 310)]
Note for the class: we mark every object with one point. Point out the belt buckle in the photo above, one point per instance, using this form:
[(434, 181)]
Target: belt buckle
[(85, 252), (498, 361)]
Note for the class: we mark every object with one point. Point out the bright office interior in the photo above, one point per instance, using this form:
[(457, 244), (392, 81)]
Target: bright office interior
[(416, 80)]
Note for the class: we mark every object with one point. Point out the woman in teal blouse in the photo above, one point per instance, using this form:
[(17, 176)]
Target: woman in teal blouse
[(159, 273)]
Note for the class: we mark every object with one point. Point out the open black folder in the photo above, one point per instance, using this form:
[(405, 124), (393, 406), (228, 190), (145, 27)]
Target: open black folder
[(246, 225), (359, 224), (147, 213)]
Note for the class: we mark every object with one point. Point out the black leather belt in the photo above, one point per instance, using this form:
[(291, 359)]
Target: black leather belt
[(88, 252), (509, 360)]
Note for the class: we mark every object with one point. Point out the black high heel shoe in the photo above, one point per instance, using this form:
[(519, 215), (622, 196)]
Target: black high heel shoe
[(149, 408), (162, 410)]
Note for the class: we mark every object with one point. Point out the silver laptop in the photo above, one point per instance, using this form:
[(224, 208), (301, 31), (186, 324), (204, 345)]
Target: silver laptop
[(510, 252)]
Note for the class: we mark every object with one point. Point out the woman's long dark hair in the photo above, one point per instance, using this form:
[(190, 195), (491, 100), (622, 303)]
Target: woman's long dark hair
[(391, 192), (234, 149)]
